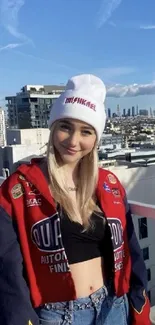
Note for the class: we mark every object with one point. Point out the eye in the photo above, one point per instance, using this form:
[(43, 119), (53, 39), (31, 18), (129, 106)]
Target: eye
[(87, 132), (64, 127)]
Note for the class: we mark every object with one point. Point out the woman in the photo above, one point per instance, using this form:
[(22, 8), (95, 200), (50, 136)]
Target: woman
[(68, 251)]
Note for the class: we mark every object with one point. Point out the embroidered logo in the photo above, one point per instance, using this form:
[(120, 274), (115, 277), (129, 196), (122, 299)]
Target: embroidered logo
[(116, 229), (17, 191), (112, 179), (106, 187), (22, 177), (46, 235), (81, 101), (116, 192), (33, 202), (30, 323)]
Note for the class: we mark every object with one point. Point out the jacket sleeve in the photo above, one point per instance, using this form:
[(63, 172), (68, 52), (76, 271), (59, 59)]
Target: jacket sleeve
[(138, 299), (15, 303)]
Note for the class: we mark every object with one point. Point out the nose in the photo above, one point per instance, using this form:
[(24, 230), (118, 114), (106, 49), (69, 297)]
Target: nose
[(73, 139)]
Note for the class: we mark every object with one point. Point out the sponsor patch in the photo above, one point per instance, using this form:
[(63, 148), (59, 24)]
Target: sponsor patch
[(21, 177), (33, 202), (116, 192), (46, 235), (106, 187), (112, 179), (116, 229), (17, 191), (30, 323)]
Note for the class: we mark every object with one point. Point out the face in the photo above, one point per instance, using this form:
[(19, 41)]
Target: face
[(73, 140)]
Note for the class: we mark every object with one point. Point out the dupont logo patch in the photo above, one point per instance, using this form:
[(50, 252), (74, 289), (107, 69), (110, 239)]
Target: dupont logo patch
[(46, 235), (116, 233), (117, 241)]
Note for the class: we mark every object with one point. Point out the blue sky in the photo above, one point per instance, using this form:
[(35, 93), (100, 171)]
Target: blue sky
[(46, 42)]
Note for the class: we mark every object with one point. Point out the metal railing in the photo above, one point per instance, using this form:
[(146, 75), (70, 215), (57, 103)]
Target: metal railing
[(142, 209)]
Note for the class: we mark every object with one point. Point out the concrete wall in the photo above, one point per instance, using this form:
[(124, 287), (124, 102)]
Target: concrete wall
[(28, 136), (139, 183)]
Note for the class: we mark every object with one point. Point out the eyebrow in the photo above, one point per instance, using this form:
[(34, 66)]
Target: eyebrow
[(83, 126)]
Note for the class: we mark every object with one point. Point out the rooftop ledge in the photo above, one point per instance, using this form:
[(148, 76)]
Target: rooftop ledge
[(142, 209)]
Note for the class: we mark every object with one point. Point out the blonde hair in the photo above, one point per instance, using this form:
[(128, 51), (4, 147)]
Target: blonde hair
[(88, 178)]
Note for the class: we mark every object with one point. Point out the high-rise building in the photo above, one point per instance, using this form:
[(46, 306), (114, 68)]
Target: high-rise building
[(143, 112), (109, 112), (2, 128), (151, 113), (30, 108), (118, 111), (137, 110), (129, 112), (133, 111), (124, 112)]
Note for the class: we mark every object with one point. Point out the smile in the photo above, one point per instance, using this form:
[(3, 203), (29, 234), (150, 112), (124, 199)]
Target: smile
[(70, 151)]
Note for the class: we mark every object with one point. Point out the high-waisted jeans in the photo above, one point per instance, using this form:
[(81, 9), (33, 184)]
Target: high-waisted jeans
[(101, 307)]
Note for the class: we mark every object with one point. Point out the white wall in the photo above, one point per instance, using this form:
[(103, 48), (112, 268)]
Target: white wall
[(2, 128), (139, 183), (28, 136)]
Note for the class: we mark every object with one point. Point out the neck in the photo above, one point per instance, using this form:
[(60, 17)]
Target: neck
[(71, 172)]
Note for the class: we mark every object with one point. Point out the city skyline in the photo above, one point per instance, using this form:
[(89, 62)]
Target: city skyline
[(42, 44)]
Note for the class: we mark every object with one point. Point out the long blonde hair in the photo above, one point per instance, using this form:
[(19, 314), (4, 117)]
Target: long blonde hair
[(88, 178)]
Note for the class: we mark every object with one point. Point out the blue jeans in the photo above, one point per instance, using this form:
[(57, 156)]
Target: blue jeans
[(99, 308)]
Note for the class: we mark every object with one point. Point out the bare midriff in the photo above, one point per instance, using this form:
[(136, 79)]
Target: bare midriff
[(88, 276)]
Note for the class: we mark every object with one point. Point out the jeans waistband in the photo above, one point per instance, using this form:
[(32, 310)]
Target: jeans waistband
[(80, 303)]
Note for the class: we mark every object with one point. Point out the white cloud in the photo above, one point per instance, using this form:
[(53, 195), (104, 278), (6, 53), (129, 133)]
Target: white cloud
[(106, 11), (9, 46), (131, 90), (147, 27), (9, 12)]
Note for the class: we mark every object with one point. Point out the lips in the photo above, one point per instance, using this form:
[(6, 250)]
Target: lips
[(70, 150)]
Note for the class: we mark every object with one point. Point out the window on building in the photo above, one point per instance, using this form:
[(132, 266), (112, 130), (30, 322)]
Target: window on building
[(143, 230), (145, 252), (41, 100), (25, 100), (47, 101), (33, 100), (148, 274)]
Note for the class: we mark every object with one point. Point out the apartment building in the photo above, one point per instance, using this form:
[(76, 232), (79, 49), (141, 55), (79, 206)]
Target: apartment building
[(30, 108), (2, 128)]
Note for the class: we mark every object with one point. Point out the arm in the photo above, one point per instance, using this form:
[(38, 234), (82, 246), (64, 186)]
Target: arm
[(138, 299), (15, 304)]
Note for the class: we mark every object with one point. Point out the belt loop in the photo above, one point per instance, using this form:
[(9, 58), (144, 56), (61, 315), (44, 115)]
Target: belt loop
[(71, 305)]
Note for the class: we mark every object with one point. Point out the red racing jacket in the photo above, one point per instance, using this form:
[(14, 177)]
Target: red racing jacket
[(34, 269)]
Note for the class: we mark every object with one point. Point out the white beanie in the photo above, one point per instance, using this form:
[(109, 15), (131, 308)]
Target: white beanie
[(83, 99)]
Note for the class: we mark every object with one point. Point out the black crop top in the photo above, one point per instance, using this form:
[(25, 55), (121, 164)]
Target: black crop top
[(82, 245)]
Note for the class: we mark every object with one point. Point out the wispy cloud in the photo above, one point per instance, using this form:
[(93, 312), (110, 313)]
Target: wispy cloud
[(48, 61), (131, 90), (114, 71), (111, 23), (147, 27), (9, 46), (9, 12), (106, 10)]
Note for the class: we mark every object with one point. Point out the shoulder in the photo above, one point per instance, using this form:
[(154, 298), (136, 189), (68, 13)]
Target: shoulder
[(12, 186), (110, 178), (106, 175)]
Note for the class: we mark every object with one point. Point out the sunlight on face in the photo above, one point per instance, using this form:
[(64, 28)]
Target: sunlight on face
[(73, 140)]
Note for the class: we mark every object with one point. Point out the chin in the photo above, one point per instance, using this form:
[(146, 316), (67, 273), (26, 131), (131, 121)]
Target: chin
[(69, 160)]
